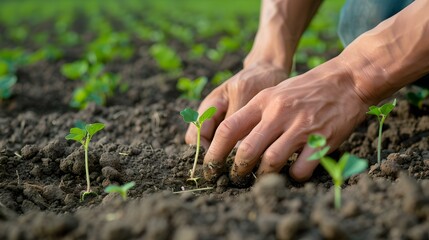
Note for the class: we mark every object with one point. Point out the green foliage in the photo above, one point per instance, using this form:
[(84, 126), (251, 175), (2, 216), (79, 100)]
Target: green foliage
[(108, 46), (191, 89), (347, 166), (75, 70), (417, 98), (191, 116), (166, 57), (381, 113), (6, 84), (221, 77), (197, 51), (83, 134), (122, 190)]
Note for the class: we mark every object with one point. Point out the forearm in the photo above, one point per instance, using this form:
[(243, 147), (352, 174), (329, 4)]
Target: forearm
[(281, 25), (392, 55)]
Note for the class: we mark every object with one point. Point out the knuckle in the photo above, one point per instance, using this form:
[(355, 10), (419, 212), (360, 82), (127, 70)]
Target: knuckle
[(226, 128), (246, 151), (273, 159)]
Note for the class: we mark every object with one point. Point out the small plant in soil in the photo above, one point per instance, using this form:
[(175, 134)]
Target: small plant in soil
[(122, 190), (417, 98), (381, 113), (83, 134), (6, 84), (347, 166), (192, 116), (191, 89)]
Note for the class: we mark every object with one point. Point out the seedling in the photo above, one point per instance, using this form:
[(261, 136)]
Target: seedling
[(221, 77), (6, 84), (381, 113), (191, 116), (191, 89), (122, 190), (166, 57), (74, 70), (417, 98), (83, 134), (347, 166)]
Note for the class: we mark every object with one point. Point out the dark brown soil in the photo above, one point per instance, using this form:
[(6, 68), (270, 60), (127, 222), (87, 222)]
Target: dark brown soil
[(42, 175)]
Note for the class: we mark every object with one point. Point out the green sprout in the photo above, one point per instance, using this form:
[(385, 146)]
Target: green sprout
[(191, 116), (75, 70), (83, 134), (381, 113), (347, 166), (122, 190), (417, 98), (221, 77), (191, 89), (166, 57), (6, 84)]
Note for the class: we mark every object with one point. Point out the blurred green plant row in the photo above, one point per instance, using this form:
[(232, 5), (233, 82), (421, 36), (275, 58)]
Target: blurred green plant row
[(174, 33)]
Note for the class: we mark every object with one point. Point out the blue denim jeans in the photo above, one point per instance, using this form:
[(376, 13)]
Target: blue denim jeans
[(359, 16)]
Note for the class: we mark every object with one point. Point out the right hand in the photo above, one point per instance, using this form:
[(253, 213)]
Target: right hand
[(232, 95)]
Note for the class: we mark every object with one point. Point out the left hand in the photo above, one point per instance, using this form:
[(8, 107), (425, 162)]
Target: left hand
[(277, 122)]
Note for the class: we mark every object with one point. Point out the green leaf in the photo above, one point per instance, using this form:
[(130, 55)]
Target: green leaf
[(189, 115), (331, 167), (387, 107), (74, 70), (354, 166), (319, 154), (94, 128), (316, 141), (374, 110), (113, 188), (76, 134), (209, 113), (6, 84), (128, 186)]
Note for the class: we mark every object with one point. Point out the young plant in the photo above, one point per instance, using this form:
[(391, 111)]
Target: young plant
[(347, 166), (122, 190), (417, 98), (166, 57), (191, 116), (75, 70), (191, 89), (6, 84), (381, 113), (83, 134)]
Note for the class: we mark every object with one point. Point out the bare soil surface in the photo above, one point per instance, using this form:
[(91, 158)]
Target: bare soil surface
[(42, 175)]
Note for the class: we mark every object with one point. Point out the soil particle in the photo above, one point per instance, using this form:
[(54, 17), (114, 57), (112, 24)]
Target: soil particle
[(267, 222), (289, 226), (187, 233), (269, 190), (32, 194), (412, 193), (111, 160), (29, 151), (52, 193), (389, 168), (54, 149), (350, 209), (111, 173), (222, 184)]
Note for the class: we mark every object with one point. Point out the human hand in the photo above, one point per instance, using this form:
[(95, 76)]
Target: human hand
[(234, 94), (277, 122)]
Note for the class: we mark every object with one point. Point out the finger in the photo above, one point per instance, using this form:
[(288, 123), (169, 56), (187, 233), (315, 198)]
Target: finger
[(229, 132), (250, 150), (303, 169), (215, 99), (276, 156)]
